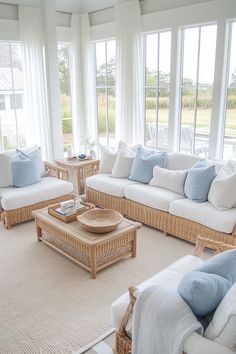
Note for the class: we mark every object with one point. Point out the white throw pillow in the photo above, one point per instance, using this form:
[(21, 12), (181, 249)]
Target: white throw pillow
[(173, 180), (5, 168), (222, 328), (108, 156), (222, 194), (123, 163)]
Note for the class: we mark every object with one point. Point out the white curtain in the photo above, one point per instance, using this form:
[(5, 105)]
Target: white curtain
[(129, 92), (35, 97), (83, 79)]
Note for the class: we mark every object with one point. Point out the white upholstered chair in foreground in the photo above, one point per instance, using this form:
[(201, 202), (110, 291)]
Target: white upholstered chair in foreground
[(122, 308)]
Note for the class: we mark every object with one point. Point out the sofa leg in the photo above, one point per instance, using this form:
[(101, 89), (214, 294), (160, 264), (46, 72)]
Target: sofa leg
[(166, 234)]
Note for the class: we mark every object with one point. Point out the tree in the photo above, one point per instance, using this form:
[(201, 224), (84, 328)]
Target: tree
[(64, 73)]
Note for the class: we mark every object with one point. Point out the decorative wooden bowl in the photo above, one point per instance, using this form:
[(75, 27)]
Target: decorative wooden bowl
[(100, 220)]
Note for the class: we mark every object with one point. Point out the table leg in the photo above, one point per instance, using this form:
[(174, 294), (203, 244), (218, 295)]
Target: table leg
[(38, 232), (93, 264), (134, 245)]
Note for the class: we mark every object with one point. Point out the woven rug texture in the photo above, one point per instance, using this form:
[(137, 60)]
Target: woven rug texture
[(48, 304)]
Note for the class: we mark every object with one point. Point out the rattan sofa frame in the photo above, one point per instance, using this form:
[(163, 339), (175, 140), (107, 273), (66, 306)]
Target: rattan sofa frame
[(169, 224), (12, 217), (123, 343)]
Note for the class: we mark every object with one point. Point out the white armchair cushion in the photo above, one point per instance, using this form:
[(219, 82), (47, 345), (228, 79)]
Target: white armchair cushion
[(196, 344), (48, 188), (172, 180), (222, 328)]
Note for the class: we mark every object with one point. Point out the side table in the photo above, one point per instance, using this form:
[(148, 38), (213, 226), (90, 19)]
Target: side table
[(78, 171)]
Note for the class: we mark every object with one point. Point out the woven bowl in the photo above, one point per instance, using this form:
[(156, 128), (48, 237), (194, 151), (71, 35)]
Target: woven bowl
[(100, 220)]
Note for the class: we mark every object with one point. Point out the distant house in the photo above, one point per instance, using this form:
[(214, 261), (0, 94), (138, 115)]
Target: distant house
[(11, 107)]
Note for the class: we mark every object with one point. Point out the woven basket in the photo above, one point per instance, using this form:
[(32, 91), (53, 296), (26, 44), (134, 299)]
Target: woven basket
[(100, 220)]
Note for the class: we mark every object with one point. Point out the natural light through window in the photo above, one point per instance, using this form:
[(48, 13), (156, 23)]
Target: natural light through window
[(12, 118), (157, 89), (230, 114), (65, 88), (105, 88), (197, 77)]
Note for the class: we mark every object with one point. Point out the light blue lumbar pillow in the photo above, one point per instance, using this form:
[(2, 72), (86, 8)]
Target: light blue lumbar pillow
[(142, 167), (25, 172), (204, 288), (198, 181)]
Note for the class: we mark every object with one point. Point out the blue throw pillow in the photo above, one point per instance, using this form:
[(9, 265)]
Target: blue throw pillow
[(198, 181), (34, 155), (25, 172), (142, 167), (204, 288)]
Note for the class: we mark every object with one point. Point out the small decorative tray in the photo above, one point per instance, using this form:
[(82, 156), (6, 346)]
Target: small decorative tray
[(100, 220), (72, 217)]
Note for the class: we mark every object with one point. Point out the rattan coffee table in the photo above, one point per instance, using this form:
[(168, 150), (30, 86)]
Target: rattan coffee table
[(91, 251)]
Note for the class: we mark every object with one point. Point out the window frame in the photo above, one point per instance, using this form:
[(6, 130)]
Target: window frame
[(196, 86), (157, 87), (226, 86), (106, 87)]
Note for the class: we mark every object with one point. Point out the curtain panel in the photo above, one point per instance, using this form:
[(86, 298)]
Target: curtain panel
[(35, 96), (129, 90), (83, 80)]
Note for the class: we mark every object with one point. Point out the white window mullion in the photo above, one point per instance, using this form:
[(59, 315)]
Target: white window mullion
[(219, 91), (175, 104)]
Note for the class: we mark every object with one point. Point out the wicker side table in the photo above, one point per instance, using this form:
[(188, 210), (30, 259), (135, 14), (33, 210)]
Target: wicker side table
[(78, 171)]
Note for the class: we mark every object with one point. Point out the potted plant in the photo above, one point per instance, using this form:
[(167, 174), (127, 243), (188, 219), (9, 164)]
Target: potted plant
[(89, 144)]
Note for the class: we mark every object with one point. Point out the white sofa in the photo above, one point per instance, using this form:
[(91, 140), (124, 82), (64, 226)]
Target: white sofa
[(170, 277), (17, 204), (165, 210)]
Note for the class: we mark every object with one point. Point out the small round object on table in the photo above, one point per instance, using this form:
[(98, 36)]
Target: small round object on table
[(82, 156), (100, 220)]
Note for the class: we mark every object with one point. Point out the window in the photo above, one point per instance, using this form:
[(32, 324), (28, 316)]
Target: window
[(197, 76), (229, 150), (157, 88), (12, 117), (105, 90), (65, 89)]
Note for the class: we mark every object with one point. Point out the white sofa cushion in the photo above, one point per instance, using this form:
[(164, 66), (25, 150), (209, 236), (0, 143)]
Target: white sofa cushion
[(205, 214), (169, 277), (153, 197), (48, 188), (180, 161), (169, 179), (222, 328), (105, 183)]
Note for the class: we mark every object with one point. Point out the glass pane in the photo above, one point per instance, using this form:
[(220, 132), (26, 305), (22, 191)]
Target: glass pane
[(164, 58), (151, 59), (187, 120), (163, 117), (230, 125), (101, 109), (151, 113), (101, 63), (12, 117), (111, 63), (207, 55), (111, 99), (190, 58), (203, 120), (66, 109), (232, 69)]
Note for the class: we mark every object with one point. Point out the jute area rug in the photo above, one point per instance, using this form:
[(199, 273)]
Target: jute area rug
[(50, 305)]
